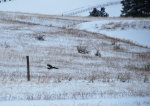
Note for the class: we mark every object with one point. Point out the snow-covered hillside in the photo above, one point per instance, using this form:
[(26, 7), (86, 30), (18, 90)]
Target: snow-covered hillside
[(137, 31), (109, 71), (53, 7), (101, 61)]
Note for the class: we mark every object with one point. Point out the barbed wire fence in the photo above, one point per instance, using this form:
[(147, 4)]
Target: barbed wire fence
[(83, 9)]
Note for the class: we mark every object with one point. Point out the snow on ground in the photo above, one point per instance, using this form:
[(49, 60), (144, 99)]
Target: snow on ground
[(138, 101), (137, 31), (121, 72), (120, 76), (56, 7)]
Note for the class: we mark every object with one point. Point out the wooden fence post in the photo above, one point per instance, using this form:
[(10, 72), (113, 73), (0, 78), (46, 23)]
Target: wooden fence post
[(28, 68)]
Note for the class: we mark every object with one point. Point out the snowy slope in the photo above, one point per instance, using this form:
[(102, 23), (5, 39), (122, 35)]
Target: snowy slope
[(137, 31), (130, 101), (55, 6), (120, 76)]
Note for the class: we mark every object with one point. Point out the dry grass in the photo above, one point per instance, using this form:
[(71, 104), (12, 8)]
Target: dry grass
[(147, 67), (82, 49), (123, 77), (117, 48), (111, 67), (122, 26), (22, 17)]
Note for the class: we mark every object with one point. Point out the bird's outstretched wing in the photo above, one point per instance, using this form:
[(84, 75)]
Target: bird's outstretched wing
[(51, 67)]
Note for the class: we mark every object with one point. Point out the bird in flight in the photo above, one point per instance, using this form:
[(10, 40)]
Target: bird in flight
[(51, 67)]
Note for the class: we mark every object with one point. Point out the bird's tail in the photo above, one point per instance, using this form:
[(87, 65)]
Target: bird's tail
[(55, 67)]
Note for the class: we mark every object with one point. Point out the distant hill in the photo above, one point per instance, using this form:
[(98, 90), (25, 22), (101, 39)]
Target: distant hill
[(56, 7)]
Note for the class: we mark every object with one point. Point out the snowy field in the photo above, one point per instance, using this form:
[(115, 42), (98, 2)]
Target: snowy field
[(57, 7), (137, 31), (119, 76), (138, 101)]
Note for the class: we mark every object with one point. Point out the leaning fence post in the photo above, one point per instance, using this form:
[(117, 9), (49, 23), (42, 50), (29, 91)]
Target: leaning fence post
[(28, 68)]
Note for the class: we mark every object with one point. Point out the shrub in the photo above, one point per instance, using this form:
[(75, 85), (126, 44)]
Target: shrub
[(103, 13), (92, 78), (82, 49), (113, 43), (40, 37), (123, 77), (147, 67), (6, 45), (145, 79), (117, 48), (97, 13)]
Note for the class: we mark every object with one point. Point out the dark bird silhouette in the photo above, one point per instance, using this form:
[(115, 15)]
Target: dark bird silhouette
[(51, 67)]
